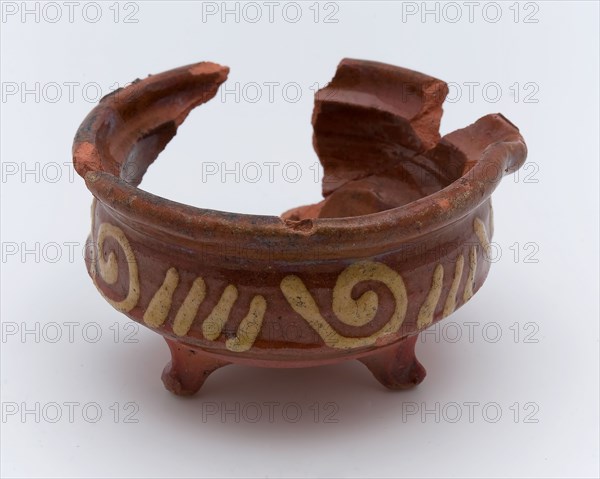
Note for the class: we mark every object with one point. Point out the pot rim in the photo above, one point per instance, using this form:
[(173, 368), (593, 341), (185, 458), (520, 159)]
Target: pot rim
[(188, 225)]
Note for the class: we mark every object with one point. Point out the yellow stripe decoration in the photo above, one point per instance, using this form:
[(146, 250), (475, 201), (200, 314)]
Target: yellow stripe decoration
[(213, 324), (352, 312), (160, 304), (450, 304), (482, 235), (468, 292), (249, 327), (427, 310), (189, 308)]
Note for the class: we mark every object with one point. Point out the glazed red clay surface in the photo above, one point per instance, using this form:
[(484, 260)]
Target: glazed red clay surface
[(398, 242)]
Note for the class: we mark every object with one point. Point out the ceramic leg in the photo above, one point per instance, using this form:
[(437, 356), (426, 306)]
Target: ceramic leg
[(396, 367), (185, 374)]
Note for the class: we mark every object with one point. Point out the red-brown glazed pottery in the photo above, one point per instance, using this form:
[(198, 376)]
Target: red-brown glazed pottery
[(399, 242)]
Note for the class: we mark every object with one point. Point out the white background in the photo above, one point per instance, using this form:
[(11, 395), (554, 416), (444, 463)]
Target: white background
[(541, 374)]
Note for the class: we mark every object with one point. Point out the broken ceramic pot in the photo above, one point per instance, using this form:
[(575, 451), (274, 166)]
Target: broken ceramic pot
[(400, 240)]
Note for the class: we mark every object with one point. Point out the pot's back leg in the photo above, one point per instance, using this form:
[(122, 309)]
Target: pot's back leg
[(185, 374), (396, 366)]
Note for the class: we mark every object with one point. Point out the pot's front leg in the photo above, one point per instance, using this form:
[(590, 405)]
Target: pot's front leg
[(396, 366), (185, 374)]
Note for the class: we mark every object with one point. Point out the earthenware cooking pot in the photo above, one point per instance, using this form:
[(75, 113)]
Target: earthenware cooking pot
[(400, 240)]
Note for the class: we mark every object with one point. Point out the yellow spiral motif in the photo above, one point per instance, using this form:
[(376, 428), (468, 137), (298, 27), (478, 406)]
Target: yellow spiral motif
[(348, 310), (108, 269)]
